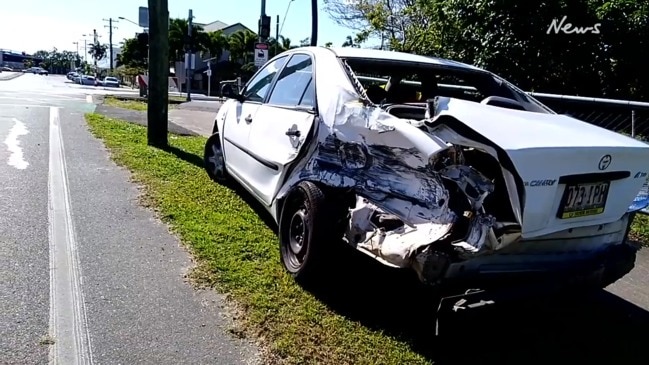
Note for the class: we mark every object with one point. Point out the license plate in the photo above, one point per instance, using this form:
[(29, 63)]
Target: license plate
[(581, 200)]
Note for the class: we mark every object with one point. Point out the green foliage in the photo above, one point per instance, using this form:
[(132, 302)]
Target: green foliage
[(98, 51), (514, 39), (54, 61), (134, 54)]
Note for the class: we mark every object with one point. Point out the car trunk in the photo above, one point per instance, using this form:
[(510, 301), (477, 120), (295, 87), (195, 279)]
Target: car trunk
[(573, 173), (567, 187)]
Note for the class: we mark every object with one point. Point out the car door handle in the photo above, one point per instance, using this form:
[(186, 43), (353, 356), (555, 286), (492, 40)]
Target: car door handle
[(293, 132), (248, 119)]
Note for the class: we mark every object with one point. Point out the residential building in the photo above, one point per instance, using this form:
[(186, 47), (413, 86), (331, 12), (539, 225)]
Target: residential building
[(200, 66)]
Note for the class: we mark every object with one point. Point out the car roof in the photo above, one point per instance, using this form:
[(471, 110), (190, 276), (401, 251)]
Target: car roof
[(377, 54)]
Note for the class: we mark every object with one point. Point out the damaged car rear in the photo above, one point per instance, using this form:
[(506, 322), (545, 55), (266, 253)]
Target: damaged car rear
[(430, 165)]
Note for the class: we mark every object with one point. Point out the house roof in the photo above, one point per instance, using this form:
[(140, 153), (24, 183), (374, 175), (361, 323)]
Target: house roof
[(219, 25)]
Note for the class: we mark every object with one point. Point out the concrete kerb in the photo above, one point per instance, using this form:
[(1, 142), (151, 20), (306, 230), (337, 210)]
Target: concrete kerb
[(11, 76)]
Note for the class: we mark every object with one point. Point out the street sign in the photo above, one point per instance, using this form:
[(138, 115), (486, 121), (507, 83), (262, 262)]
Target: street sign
[(261, 54), (143, 17), (209, 73)]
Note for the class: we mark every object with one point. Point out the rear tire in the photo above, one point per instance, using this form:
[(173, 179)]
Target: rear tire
[(306, 232)]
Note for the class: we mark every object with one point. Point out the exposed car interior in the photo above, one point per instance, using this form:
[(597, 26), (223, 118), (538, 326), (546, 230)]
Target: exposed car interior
[(403, 88)]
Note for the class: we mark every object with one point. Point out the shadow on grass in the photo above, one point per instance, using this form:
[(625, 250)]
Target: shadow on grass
[(597, 327), (198, 161), (185, 156)]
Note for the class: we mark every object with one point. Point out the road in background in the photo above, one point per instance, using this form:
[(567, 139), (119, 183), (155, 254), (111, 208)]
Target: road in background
[(117, 292)]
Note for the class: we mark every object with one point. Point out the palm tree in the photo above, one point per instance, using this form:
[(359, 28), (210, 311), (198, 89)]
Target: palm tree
[(178, 37), (285, 42), (242, 44), (98, 51), (218, 42)]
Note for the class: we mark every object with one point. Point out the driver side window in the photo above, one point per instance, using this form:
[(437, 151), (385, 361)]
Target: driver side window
[(258, 87)]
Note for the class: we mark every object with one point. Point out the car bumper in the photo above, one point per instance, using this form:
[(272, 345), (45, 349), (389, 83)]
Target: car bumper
[(613, 258)]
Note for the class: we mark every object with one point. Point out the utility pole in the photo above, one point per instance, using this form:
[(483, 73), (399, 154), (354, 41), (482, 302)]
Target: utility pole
[(110, 27), (277, 35), (261, 19), (158, 96), (188, 56), (96, 43), (314, 22)]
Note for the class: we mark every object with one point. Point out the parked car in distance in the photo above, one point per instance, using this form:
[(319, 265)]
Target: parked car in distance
[(87, 80), (5, 68), (110, 81), (435, 166), (40, 71), (71, 75)]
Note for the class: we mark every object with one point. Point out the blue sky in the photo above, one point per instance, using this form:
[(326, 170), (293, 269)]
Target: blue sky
[(42, 24)]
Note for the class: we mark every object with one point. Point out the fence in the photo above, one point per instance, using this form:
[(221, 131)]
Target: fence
[(624, 116)]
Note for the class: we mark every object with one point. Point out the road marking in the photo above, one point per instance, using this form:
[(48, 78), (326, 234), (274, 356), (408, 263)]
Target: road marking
[(68, 323), (16, 159), (89, 99)]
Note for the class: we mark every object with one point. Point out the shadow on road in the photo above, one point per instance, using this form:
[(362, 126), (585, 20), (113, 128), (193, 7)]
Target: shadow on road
[(595, 328)]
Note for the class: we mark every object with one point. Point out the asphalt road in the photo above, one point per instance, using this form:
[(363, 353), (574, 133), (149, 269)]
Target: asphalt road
[(86, 274)]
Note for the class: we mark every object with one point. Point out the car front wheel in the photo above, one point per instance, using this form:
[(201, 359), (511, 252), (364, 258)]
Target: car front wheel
[(215, 160), (305, 232)]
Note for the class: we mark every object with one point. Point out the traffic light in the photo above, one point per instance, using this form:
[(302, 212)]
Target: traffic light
[(143, 38), (264, 26)]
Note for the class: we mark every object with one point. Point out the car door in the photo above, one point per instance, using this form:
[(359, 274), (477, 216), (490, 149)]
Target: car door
[(281, 125), (238, 155)]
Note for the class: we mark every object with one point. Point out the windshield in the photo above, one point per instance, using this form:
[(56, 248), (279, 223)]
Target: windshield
[(391, 82)]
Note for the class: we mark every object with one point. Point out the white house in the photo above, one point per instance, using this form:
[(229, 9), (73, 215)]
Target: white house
[(199, 65)]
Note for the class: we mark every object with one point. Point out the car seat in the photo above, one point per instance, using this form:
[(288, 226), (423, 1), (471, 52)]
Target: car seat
[(376, 94)]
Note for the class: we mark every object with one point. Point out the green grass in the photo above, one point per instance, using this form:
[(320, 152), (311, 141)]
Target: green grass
[(238, 254), (135, 104), (640, 229)]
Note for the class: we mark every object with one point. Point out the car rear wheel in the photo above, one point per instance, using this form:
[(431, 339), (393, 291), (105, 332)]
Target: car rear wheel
[(305, 232), (215, 160)]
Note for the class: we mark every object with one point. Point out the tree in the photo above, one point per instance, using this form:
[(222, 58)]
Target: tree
[(133, 54), (242, 44), (305, 42), (98, 51), (328, 45), (349, 42), (217, 43), (515, 41), (178, 39)]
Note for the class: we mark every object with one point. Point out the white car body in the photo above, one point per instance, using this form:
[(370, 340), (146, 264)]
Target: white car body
[(356, 146), (110, 82)]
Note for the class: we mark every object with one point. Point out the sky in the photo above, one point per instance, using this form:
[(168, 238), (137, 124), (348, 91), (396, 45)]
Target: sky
[(43, 24)]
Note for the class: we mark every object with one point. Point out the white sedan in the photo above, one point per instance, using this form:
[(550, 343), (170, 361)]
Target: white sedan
[(110, 81), (428, 164)]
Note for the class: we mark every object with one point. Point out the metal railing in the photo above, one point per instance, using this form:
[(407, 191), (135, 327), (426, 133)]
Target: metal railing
[(624, 116)]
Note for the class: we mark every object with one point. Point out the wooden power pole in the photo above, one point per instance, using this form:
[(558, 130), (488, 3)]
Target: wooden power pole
[(158, 96)]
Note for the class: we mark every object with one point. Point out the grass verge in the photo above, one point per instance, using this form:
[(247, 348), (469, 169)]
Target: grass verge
[(135, 104), (640, 229), (239, 255)]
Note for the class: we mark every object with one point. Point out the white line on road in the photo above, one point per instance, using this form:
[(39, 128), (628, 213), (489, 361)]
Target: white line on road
[(68, 323), (16, 159)]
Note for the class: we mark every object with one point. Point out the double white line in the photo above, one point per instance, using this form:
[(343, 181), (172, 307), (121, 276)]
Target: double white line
[(68, 323)]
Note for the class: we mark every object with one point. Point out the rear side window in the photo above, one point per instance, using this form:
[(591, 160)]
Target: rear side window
[(295, 84)]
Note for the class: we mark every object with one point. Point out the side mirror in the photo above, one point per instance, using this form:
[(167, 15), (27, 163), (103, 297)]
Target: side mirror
[(228, 92)]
